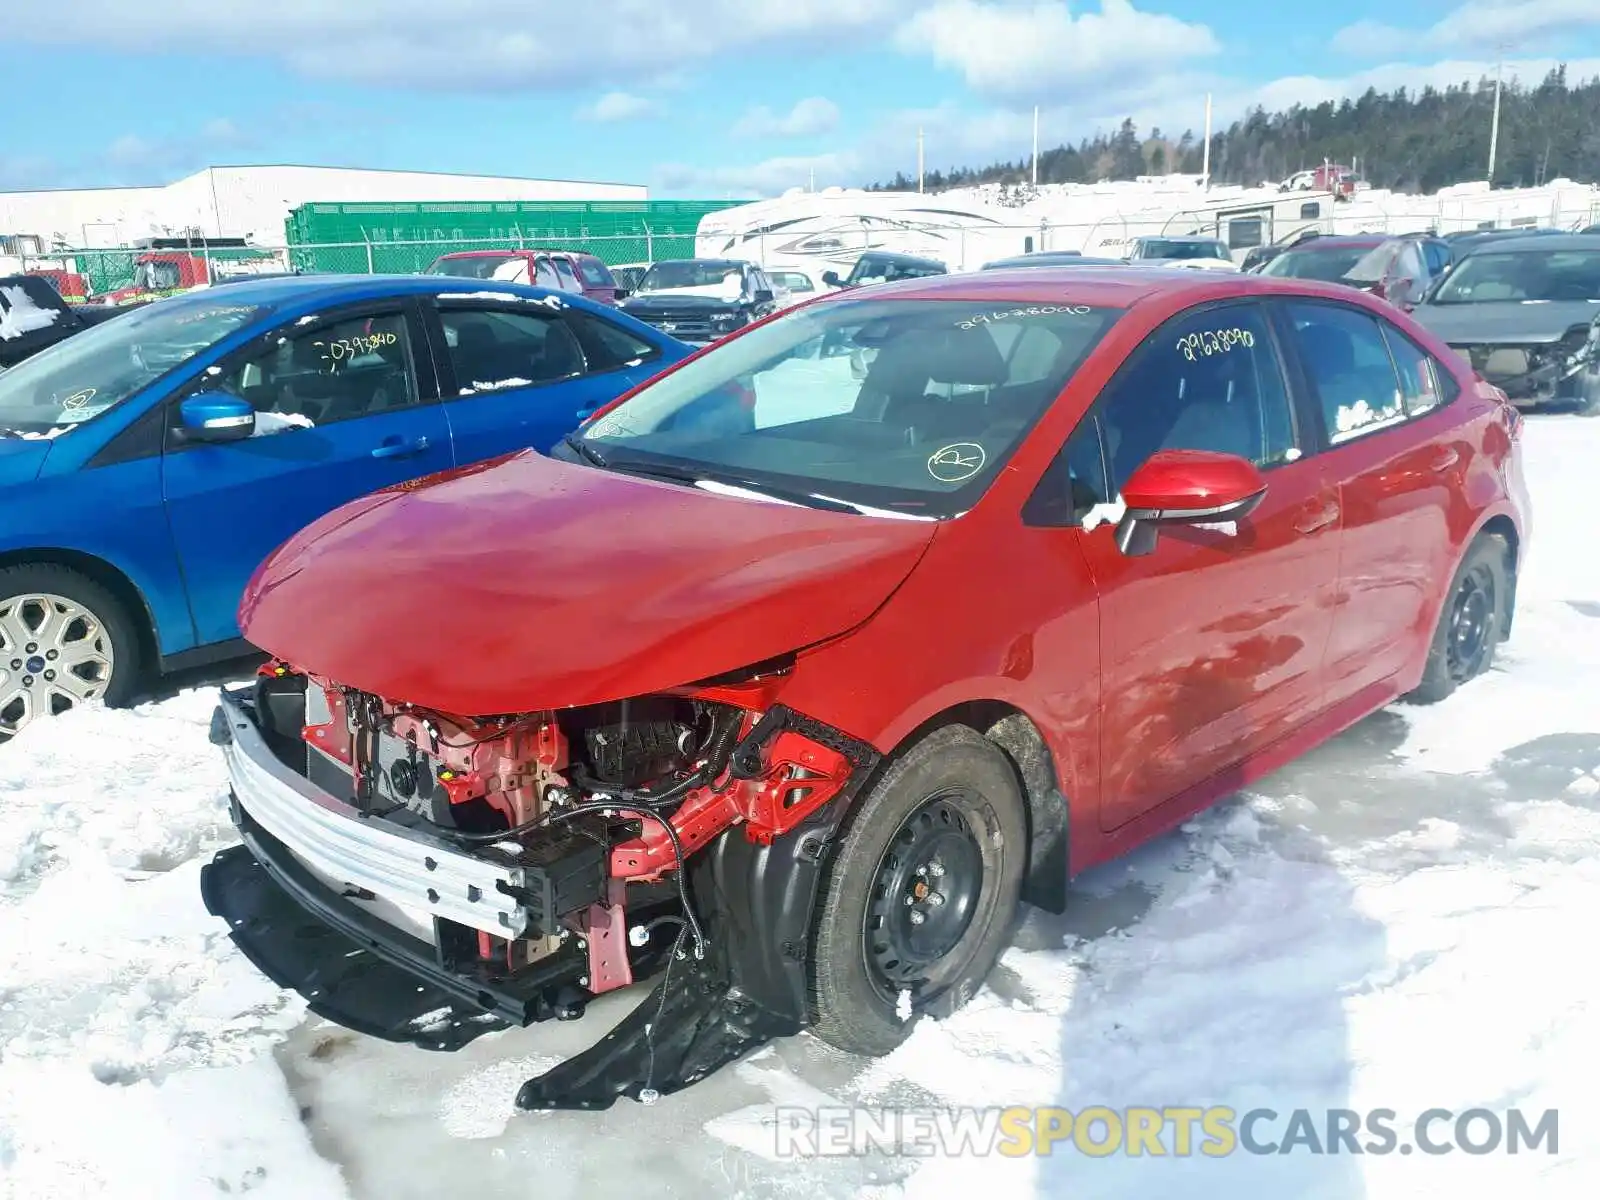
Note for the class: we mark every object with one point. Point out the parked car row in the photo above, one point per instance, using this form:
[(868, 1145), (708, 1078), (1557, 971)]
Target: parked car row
[(1190, 251), (1522, 307)]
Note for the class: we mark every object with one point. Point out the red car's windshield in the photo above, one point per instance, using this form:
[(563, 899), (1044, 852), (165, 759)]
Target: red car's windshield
[(907, 406)]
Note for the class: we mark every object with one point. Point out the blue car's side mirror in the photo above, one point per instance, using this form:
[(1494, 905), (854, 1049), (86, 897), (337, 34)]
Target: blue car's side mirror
[(216, 417)]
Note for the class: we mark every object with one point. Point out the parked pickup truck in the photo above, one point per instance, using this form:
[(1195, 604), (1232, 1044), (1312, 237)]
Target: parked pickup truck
[(33, 315)]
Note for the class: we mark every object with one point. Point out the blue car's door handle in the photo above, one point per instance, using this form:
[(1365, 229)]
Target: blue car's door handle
[(398, 448)]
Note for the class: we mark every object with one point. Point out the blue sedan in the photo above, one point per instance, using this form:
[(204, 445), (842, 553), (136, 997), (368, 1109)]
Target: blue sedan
[(149, 464)]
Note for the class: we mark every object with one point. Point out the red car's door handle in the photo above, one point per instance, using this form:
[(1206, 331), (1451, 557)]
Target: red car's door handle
[(399, 448), (1445, 459), (1317, 516)]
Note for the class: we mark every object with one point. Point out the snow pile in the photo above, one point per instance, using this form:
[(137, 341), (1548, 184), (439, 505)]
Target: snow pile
[(135, 1042), (494, 385), (1550, 676), (268, 423), (1398, 921)]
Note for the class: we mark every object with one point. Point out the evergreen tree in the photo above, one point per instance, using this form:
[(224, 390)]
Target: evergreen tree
[(1413, 141)]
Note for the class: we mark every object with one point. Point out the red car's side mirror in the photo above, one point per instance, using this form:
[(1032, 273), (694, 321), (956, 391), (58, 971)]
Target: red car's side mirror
[(1185, 487)]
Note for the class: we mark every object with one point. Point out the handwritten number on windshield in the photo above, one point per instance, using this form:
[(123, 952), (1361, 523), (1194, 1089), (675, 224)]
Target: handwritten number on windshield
[(1034, 310)]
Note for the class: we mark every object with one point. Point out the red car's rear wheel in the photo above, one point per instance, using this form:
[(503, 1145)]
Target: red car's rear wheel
[(1472, 623)]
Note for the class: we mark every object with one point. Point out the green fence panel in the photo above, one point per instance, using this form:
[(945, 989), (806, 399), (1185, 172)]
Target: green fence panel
[(617, 231)]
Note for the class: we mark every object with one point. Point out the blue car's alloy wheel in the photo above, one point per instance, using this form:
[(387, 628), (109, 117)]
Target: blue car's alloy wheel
[(58, 649)]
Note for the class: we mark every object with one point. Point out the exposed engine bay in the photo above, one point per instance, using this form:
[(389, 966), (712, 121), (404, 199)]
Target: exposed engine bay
[(587, 824), (1535, 372)]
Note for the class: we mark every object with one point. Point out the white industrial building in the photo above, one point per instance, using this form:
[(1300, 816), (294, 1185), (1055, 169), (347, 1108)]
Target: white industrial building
[(250, 202)]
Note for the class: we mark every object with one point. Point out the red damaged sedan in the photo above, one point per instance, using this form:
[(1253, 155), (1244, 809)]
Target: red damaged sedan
[(789, 675)]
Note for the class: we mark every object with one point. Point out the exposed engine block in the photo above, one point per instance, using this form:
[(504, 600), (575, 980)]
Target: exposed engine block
[(481, 774)]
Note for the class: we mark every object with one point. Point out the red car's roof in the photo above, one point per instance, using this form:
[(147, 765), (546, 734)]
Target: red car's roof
[(1100, 287)]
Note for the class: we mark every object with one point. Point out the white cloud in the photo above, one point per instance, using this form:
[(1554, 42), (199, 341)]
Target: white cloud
[(769, 177), (1176, 108), (1475, 26), (955, 136), (1040, 52), (23, 172), (1312, 89), (154, 160), (129, 159), (465, 46), (616, 106), (809, 117)]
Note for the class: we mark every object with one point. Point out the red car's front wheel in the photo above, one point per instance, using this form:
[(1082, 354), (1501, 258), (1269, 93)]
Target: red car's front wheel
[(919, 900)]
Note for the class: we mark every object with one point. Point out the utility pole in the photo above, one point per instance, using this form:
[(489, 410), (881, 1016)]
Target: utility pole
[(919, 160), (1494, 124), (1035, 145), (1205, 152)]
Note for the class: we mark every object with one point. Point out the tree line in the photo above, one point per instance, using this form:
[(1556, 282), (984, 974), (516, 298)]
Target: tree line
[(1406, 140)]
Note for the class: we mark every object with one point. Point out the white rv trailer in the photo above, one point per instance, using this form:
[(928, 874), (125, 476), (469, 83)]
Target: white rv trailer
[(1241, 219), (1263, 216), (812, 232)]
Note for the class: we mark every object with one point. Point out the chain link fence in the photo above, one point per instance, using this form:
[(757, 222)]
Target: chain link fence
[(101, 272), (97, 272), (383, 257)]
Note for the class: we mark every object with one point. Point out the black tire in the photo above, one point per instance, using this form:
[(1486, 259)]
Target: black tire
[(1464, 642), (961, 796), (1589, 393), (111, 615)]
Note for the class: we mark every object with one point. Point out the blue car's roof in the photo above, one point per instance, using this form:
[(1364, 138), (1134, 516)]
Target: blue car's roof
[(280, 290)]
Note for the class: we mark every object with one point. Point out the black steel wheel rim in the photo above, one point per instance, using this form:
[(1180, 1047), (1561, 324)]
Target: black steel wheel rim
[(924, 895), (1474, 614)]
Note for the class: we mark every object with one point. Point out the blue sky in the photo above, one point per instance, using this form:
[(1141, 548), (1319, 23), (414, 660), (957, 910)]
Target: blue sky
[(699, 97)]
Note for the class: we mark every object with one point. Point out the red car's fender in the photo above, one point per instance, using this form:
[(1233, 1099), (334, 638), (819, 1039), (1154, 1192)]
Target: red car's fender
[(1005, 619)]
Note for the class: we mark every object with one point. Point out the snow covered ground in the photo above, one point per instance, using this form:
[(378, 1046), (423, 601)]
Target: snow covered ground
[(1398, 921)]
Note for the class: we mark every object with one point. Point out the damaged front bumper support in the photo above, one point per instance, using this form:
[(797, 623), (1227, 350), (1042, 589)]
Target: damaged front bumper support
[(302, 897)]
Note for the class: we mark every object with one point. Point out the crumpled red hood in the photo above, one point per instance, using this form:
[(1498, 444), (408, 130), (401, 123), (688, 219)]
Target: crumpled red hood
[(530, 583)]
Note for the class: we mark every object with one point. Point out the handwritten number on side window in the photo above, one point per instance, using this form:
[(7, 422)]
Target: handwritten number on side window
[(344, 349), (1210, 342)]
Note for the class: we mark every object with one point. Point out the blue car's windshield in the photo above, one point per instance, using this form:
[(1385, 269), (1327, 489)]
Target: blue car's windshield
[(91, 372)]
